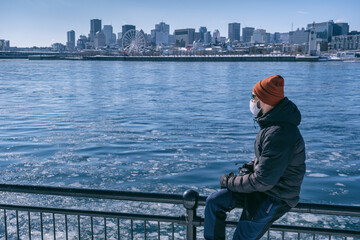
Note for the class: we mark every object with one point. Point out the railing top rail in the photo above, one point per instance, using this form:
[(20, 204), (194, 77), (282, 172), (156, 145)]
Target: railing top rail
[(325, 209), (93, 193)]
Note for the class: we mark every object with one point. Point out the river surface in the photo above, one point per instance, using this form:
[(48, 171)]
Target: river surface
[(170, 126)]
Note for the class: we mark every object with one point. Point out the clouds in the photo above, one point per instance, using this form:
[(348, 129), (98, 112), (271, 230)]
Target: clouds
[(340, 20), (302, 12)]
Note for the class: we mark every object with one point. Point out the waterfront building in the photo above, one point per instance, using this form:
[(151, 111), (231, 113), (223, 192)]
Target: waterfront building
[(58, 47), (299, 36), (99, 40), (324, 30), (207, 39), (95, 26), (202, 31), (127, 27), (345, 42), (216, 36), (341, 29), (81, 42), (160, 35), (184, 37), (197, 37), (110, 37), (171, 39), (276, 37), (312, 40), (284, 37), (4, 45), (234, 32), (259, 36), (70, 44), (247, 33), (354, 33), (267, 37)]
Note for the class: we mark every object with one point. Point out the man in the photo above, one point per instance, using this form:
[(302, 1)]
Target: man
[(268, 186)]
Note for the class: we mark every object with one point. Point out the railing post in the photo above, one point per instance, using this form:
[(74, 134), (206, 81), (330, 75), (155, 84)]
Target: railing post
[(190, 202)]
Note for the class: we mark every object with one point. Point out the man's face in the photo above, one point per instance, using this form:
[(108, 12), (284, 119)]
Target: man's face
[(254, 98)]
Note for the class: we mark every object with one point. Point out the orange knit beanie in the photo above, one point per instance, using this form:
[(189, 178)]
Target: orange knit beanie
[(270, 90)]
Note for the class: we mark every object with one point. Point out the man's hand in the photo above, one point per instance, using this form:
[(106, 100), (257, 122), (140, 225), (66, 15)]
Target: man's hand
[(224, 179), (246, 169)]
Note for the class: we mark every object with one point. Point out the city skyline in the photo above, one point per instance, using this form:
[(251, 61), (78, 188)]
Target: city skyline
[(42, 23)]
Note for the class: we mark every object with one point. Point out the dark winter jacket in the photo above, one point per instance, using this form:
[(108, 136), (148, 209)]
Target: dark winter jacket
[(279, 166)]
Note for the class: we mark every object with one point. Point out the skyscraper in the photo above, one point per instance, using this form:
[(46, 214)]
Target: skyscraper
[(160, 35), (202, 31), (247, 33), (126, 28), (259, 36), (109, 35), (234, 32), (99, 40), (95, 26), (70, 44), (216, 36)]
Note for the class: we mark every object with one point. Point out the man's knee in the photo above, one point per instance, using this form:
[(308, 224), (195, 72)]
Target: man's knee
[(211, 198)]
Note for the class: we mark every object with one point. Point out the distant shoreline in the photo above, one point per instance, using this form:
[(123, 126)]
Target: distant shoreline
[(196, 58)]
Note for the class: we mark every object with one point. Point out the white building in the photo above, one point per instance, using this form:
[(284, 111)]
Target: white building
[(259, 36), (312, 41), (216, 36), (160, 35), (110, 37)]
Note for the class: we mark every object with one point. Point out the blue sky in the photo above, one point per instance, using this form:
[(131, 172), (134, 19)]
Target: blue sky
[(29, 23)]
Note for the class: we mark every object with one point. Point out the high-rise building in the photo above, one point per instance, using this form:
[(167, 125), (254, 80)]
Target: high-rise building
[(70, 44), (247, 33), (341, 29), (234, 32), (109, 35), (126, 28), (216, 36), (4, 45), (299, 36), (160, 35), (81, 42), (276, 37), (202, 31), (184, 37), (95, 26), (259, 36), (324, 30), (100, 40)]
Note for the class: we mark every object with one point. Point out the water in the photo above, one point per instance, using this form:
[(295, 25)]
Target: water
[(168, 127)]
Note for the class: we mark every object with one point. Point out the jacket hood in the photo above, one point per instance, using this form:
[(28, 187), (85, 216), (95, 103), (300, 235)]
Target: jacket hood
[(286, 111)]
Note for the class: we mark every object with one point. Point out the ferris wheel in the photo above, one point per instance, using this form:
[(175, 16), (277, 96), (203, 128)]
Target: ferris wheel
[(133, 41)]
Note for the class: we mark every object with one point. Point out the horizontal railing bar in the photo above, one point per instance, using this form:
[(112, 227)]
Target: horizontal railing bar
[(179, 220), (326, 209), (315, 208), (94, 193), (310, 230)]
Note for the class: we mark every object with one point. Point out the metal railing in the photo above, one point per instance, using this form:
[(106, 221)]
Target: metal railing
[(17, 226)]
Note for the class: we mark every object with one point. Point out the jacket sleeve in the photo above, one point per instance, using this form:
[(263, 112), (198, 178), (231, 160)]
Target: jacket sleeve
[(276, 151)]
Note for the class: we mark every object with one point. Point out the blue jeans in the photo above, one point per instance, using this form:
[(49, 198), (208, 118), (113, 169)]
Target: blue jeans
[(259, 212)]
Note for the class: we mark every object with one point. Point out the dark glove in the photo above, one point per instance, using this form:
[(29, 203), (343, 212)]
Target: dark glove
[(246, 169), (224, 179)]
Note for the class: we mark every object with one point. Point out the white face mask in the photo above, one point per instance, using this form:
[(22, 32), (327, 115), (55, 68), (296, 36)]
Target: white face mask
[(254, 107)]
